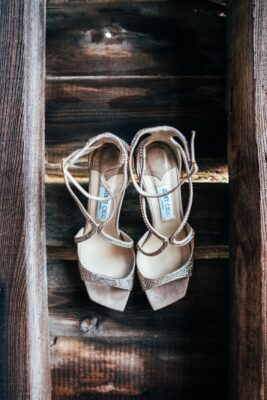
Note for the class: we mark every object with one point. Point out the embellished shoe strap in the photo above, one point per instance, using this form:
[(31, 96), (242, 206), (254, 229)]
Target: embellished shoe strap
[(188, 159), (184, 271), (165, 241), (121, 283)]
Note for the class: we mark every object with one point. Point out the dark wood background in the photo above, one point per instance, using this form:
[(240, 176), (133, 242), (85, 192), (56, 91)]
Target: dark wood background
[(164, 63)]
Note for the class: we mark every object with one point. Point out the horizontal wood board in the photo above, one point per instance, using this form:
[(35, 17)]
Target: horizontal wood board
[(209, 215), (202, 313), (135, 38), (79, 109), (150, 368)]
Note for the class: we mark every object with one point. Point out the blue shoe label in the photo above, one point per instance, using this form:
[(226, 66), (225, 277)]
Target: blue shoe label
[(165, 203), (103, 207)]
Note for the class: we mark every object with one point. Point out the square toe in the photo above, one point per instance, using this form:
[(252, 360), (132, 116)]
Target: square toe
[(162, 296), (108, 296)]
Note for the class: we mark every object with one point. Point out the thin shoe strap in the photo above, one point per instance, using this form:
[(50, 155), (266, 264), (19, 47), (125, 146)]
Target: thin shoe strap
[(73, 157), (172, 239), (188, 159)]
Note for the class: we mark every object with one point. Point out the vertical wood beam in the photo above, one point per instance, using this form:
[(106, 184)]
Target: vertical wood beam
[(247, 133), (24, 367)]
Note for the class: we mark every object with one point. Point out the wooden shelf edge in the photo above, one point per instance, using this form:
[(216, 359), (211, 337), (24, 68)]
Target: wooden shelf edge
[(202, 252), (210, 171)]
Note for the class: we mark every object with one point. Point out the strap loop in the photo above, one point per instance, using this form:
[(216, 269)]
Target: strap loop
[(88, 148), (173, 132), (156, 252)]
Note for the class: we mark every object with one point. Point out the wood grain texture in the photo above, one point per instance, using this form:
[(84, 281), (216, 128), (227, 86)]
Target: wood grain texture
[(247, 86), (77, 109), (136, 38), (97, 84), (209, 215), (24, 370), (211, 170), (127, 369), (75, 3), (202, 313)]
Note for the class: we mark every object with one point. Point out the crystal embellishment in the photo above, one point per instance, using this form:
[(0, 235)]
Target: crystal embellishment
[(121, 283), (183, 272)]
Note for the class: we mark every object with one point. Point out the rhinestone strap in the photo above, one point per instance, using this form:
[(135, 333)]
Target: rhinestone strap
[(182, 272), (121, 283), (188, 158)]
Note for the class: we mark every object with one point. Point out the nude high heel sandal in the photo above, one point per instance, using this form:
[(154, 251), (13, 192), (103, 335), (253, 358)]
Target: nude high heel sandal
[(165, 252), (106, 257)]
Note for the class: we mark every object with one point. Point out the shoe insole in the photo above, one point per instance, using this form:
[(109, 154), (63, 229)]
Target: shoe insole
[(97, 254), (162, 174)]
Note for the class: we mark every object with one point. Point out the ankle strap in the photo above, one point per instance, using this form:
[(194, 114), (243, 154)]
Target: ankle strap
[(188, 157), (88, 148)]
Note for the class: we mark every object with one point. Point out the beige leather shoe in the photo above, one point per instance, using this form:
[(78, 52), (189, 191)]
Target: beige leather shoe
[(165, 252), (106, 257)]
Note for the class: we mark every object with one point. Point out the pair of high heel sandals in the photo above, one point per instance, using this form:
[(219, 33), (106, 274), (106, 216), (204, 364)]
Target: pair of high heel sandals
[(164, 254)]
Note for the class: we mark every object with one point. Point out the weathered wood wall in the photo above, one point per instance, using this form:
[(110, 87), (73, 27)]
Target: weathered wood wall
[(247, 113), (164, 63), (24, 351)]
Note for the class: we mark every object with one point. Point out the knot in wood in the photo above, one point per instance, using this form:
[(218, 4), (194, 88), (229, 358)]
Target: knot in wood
[(88, 324)]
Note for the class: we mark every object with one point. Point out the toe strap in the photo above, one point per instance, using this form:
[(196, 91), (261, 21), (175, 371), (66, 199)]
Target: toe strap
[(121, 283), (182, 272)]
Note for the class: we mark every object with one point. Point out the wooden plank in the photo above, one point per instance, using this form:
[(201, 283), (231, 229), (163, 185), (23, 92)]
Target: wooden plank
[(80, 108), (57, 251), (136, 38), (209, 215), (247, 86), (75, 3), (210, 169), (202, 313), (147, 369), (24, 370)]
